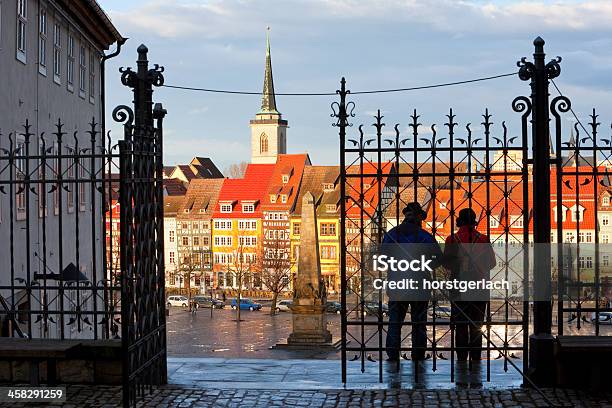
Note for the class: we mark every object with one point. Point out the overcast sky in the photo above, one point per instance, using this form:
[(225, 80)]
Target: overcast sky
[(375, 44)]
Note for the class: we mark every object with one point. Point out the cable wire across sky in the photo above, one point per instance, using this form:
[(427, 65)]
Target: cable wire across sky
[(414, 88)]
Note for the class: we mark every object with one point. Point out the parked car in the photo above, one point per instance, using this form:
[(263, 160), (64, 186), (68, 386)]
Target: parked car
[(372, 308), (205, 301), (604, 317), (246, 304), (284, 306), (441, 312), (177, 300), (333, 307)]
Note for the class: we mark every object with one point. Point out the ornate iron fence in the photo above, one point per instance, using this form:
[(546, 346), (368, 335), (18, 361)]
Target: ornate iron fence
[(55, 190), (71, 270), (508, 182)]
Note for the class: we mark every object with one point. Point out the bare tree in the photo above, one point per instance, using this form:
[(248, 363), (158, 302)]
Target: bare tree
[(190, 266), (242, 266), (276, 265), (236, 170)]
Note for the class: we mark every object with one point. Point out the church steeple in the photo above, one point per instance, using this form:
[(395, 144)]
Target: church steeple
[(268, 129), (268, 100)]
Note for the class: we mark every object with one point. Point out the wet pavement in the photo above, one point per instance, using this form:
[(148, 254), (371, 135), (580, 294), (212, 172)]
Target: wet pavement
[(307, 374), (200, 335)]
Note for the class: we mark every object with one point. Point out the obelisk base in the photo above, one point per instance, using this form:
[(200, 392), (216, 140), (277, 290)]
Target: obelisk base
[(309, 325)]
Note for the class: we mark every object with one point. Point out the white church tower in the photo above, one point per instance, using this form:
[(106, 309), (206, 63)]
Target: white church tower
[(268, 129)]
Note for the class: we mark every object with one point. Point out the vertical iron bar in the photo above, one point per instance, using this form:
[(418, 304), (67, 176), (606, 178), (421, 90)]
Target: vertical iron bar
[(342, 124)]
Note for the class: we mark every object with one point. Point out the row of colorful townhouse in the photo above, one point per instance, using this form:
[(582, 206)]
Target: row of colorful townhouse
[(225, 232)]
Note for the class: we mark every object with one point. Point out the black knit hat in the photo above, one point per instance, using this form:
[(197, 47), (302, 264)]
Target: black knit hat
[(466, 217), (414, 211)]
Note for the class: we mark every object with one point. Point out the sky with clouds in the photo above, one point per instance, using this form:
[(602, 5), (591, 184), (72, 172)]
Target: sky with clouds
[(375, 44)]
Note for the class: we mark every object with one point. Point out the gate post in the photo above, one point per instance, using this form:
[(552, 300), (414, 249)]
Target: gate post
[(541, 341), (141, 202)]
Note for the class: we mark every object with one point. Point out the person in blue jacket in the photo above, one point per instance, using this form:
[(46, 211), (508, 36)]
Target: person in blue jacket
[(410, 231)]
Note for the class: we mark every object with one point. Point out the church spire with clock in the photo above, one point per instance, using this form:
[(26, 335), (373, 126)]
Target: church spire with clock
[(268, 129)]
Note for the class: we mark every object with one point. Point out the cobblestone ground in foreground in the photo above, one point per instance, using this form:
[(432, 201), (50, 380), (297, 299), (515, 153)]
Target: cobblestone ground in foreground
[(172, 396)]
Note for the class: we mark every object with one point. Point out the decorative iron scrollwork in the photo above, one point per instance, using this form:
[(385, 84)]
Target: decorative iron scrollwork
[(521, 104), (123, 114), (526, 69), (155, 76), (129, 78), (553, 69)]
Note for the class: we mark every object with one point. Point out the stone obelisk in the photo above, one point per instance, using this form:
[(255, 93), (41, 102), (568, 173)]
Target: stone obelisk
[(309, 295)]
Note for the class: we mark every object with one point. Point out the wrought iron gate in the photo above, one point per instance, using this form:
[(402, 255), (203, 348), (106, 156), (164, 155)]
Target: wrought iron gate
[(506, 180), (143, 320)]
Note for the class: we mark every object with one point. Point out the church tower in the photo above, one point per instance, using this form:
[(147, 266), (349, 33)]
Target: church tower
[(268, 129)]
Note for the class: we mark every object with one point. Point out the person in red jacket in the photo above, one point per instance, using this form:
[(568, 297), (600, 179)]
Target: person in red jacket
[(470, 257)]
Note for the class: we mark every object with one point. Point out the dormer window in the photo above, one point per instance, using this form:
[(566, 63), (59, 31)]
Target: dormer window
[(577, 213), (273, 198), (563, 213), (248, 208), (493, 222), (202, 211), (330, 208), (285, 178), (605, 201), (366, 186), (283, 198), (226, 208), (328, 186), (186, 210)]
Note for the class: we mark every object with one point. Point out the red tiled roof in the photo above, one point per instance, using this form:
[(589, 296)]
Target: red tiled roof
[(251, 188), (291, 165)]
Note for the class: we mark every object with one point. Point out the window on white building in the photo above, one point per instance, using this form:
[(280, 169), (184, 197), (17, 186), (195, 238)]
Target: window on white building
[(22, 21), (605, 201), (171, 236), (605, 238), (185, 240), (82, 70), (605, 219), (42, 41), (70, 64), (57, 52), (92, 76), (585, 262)]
